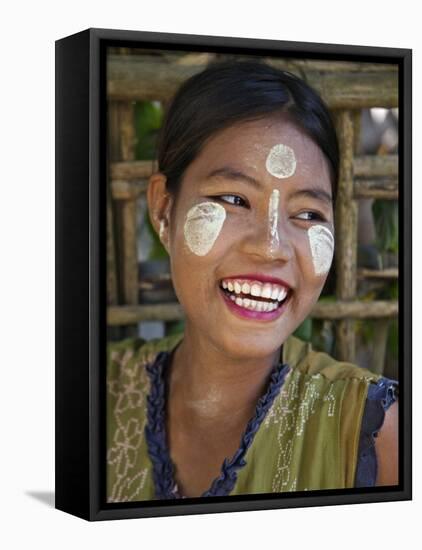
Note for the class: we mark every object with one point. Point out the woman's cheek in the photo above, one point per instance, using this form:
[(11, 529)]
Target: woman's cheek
[(321, 244), (202, 227)]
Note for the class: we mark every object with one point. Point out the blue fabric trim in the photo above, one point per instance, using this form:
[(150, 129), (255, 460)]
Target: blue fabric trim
[(381, 396), (155, 433), (155, 430)]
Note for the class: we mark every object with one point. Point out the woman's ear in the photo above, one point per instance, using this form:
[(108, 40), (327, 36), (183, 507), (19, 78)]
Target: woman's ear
[(159, 207)]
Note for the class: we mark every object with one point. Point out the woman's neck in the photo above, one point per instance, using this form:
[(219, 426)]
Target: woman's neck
[(206, 385)]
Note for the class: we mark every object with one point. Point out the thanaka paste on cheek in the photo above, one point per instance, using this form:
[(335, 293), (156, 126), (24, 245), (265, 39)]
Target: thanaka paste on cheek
[(274, 241), (281, 161), (321, 241), (203, 225)]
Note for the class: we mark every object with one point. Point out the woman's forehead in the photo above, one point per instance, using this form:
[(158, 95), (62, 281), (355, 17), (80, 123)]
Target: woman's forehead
[(246, 146)]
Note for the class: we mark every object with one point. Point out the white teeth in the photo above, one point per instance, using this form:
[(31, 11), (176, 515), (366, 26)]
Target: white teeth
[(266, 291), (256, 290), (282, 294), (254, 305)]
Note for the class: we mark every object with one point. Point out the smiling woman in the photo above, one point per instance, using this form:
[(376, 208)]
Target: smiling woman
[(243, 203)]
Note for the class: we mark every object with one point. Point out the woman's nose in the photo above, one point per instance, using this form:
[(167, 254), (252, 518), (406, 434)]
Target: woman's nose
[(269, 239)]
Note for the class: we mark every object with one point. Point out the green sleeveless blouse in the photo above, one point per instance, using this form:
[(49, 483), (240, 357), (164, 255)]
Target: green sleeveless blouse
[(308, 439)]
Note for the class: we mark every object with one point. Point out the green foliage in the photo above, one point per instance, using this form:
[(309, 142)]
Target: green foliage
[(175, 327), (304, 330), (148, 120), (320, 333), (386, 225)]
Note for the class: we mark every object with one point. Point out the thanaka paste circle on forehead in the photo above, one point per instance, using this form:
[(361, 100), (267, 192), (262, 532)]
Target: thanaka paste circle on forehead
[(321, 242), (281, 161), (203, 225)]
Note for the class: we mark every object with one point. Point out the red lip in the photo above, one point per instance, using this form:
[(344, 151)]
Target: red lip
[(260, 277), (254, 315)]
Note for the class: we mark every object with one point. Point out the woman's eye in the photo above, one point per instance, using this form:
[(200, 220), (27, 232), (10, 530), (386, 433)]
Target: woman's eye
[(232, 199), (310, 216)]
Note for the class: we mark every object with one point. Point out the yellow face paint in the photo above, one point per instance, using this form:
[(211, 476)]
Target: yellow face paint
[(203, 224)]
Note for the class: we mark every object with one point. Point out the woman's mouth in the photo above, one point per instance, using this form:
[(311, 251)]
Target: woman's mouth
[(255, 299)]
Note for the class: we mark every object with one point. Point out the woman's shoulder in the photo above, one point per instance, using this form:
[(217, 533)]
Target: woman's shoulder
[(301, 356), (139, 350), (127, 360)]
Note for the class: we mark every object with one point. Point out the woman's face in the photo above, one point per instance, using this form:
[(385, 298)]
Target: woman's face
[(250, 236)]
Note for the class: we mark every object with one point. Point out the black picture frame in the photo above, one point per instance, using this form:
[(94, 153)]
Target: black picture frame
[(80, 272)]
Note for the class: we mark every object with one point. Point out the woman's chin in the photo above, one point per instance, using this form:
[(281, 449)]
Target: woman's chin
[(248, 347)]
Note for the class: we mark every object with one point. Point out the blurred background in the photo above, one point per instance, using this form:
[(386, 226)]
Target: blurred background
[(356, 317)]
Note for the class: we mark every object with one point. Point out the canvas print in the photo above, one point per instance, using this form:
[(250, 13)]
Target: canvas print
[(252, 266)]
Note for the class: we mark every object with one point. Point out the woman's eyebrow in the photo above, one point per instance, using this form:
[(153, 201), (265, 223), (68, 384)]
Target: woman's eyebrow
[(230, 173), (313, 193)]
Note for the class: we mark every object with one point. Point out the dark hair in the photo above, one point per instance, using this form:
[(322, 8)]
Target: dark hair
[(227, 92)]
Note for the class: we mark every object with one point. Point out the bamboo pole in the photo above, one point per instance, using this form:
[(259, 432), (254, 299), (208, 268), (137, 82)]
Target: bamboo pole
[(346, 213), (376, 309), (113, 263), (128, 210), (376, 189), (357, 127), (390, 273), (142, 77), (137, 169), (126, 315), (376, 166), (307, 65), (128, 190), (122, 142), (356, 91), (112, 295)]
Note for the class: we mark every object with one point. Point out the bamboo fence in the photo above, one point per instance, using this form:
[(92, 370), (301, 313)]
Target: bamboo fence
[(346, 87)]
